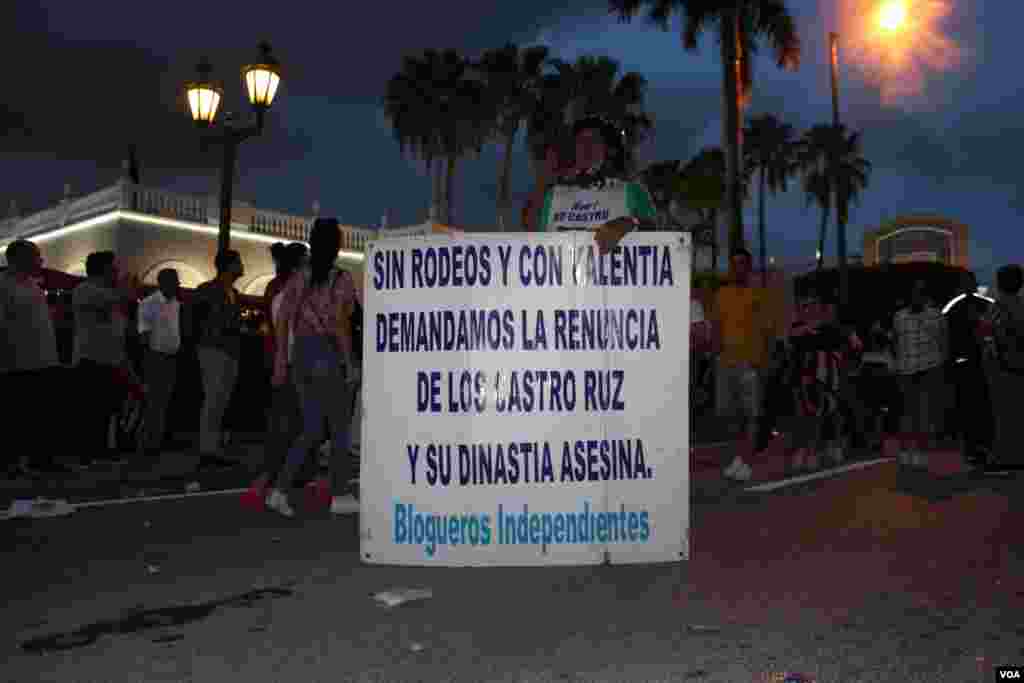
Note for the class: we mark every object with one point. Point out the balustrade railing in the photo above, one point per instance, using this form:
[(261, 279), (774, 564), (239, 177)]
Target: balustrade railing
[(166, 204), (280, 225), (130, 197)]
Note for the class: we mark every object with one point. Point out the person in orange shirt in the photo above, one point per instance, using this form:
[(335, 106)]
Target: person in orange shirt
[(744, 332)]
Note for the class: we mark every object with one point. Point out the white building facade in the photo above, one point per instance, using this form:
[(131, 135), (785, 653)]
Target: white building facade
[(151, 229)]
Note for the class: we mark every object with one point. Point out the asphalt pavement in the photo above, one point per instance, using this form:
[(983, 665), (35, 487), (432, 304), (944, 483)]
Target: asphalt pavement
[(867, 576)]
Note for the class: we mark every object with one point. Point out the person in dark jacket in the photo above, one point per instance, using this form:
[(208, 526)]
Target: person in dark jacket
[(218, 318), (819, 348), (1003, 331), (973, 403)]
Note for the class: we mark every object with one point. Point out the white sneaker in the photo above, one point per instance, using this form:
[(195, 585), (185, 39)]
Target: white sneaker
[(278, 502), (739, 471), (731, 468), (344, 505)]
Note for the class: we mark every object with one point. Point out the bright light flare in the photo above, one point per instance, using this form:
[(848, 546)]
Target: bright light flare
[(892, 15), (898, 44)]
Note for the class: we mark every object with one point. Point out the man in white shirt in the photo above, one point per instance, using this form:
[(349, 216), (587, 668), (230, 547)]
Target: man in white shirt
[(160, 329), (30, 371), (99, 308)]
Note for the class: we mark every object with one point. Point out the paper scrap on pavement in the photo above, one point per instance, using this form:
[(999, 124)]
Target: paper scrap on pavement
[(399, 596), (39, 508)]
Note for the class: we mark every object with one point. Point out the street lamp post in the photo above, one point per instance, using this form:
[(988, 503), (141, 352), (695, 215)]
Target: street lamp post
[(844, 276), (204, 97), (833, 45)]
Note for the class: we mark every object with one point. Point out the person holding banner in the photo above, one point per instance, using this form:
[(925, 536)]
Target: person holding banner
[(596, 195), (318, 302)]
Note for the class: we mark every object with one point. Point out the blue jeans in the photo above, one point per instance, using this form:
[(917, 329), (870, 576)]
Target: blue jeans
[(327, 397)]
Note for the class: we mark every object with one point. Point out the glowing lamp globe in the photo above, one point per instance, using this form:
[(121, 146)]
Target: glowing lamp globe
[(262, 79), (892, 15), (203, 96)]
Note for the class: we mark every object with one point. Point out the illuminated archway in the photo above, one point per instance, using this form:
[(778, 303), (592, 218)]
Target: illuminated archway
[(258, 285), (917, 238), (189, 276)]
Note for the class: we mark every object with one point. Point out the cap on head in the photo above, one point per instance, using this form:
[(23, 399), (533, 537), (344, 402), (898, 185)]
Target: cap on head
[(613, 136)]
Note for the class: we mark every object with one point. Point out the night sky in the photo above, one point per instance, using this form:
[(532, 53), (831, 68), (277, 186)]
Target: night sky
[(84, 80)]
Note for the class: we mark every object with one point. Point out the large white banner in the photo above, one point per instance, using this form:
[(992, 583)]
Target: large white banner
[(526, 401)]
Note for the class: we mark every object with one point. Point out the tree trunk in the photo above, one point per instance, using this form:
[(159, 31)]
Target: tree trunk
[(449, 187), (504, 185), (435, 191), (714, 241), (543, 179), (844, 273), (734, 196), (761, 230), (821, 234)]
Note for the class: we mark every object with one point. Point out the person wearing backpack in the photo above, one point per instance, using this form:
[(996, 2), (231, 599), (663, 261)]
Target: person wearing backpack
[(1005, 344), (973, 404), (318, 302)]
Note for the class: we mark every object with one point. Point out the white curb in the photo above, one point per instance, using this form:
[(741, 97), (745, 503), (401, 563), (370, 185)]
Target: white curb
[(823, 474)]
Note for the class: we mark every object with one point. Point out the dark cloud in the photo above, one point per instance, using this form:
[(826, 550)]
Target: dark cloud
[(85, 80), (107, 74)]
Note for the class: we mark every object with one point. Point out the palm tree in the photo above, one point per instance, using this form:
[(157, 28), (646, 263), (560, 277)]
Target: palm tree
[(513, 77), (438, 111), (835, 174), (741, 25), (817, 192), (662, 180), (572, 90), (771, 152), (592, 87), (703, 189)]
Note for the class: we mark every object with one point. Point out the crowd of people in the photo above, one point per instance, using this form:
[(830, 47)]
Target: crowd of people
[(830, 389), (315, 363), (819, 381)]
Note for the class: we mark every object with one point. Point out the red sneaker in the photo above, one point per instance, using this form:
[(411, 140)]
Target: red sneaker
[(255, 498), (318, 494)]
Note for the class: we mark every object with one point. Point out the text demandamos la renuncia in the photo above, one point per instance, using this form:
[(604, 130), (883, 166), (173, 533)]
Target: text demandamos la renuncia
[(605, 329), (529, 265), (519, 528)]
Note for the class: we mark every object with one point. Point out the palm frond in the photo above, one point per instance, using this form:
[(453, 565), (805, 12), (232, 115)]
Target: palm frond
[(773, 22)]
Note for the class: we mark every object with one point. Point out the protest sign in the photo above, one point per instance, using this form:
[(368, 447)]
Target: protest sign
[(526, 401)]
